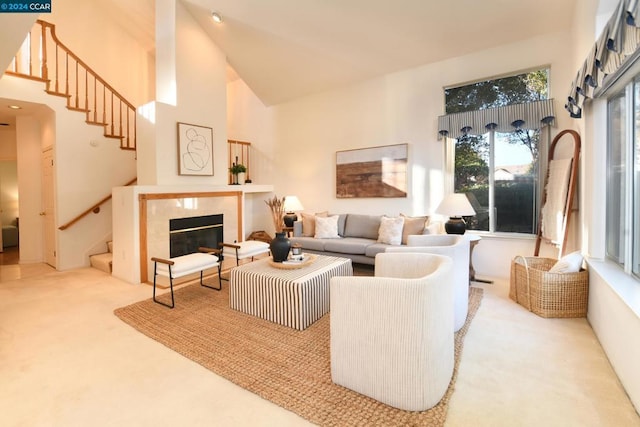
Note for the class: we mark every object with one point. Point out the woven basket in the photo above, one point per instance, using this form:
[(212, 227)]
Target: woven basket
[(548, 294)]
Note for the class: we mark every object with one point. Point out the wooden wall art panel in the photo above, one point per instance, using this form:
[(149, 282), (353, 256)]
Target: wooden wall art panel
[(372, 172)]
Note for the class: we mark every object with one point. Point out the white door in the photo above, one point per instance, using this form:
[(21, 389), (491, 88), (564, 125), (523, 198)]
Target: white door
[(47, 212)]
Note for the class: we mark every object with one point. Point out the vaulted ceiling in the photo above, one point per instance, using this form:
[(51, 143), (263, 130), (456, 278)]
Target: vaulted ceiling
[(284, 49)]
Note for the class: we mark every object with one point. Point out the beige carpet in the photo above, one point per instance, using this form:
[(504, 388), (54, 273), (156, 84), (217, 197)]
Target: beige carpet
[(288, 367)]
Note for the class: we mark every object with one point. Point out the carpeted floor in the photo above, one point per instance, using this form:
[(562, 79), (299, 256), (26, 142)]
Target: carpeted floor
[(288, 367)]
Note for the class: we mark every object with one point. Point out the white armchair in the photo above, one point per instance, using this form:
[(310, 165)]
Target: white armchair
[(392, 334), (452, 245)]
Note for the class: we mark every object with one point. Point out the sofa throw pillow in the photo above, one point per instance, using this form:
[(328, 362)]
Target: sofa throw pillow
[(413, 225), (309, 223), (570, 263), (390, 231), (342, 220), (327, 227)]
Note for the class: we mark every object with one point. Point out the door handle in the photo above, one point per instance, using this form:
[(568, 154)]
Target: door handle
[(42, 213)]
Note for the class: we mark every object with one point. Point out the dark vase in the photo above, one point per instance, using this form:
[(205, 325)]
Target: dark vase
[(280, 247)]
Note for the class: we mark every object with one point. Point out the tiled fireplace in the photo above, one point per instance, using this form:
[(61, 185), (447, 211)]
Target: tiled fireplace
[(160, 211), (142, 213)]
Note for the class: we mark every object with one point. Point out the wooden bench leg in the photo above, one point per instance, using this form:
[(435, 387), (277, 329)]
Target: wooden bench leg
[(155, 274)]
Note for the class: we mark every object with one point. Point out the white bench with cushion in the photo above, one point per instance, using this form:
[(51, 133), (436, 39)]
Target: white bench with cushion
[(246, 249), (177, 267)]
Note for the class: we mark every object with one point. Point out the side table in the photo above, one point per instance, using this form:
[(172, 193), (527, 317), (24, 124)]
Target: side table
[(474, 239), (288, 230)]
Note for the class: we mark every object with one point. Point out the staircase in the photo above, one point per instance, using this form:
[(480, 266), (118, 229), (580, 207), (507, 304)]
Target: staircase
[(103, 261), (42, 57)]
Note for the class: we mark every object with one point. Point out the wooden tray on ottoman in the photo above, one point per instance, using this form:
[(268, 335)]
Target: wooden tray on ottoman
[(308, 259)]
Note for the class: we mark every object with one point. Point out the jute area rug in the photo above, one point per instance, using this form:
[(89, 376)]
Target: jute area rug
[(288, 367)]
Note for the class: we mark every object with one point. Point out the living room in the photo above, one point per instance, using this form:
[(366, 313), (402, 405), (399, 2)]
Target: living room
[(295, 140)]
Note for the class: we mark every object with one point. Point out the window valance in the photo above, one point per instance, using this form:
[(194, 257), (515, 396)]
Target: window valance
[(531, 115), (620, 38)]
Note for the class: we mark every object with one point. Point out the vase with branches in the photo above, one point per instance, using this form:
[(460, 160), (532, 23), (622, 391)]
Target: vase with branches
[(276, 205)]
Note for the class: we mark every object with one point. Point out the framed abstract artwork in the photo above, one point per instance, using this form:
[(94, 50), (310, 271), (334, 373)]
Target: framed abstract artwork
[(195, 149), (372, 172)]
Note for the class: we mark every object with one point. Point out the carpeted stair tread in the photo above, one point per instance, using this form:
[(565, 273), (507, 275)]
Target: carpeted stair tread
[(103, 261)]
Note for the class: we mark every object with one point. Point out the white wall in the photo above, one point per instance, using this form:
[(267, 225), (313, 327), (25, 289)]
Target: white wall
[(8, 176), (249, 120), (8, 146), (614, 297), (87, 166), (28, 135), (13, 30), (397, 108), (97, 36), (8, 192), (200, 73)]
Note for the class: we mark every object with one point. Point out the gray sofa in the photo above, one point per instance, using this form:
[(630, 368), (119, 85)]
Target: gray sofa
[(358, 235)]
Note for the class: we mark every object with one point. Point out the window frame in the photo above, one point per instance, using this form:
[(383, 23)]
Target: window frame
[(626, 85), (541, 166)]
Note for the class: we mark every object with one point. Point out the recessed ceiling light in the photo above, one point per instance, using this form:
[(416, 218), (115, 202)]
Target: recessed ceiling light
[(216, 17), (15, 107)]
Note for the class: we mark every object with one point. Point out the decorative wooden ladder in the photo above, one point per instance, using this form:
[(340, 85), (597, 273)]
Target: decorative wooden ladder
[(43, 57)]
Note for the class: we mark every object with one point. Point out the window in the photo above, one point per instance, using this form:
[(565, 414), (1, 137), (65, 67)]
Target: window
[(499, 171), (623, 177)]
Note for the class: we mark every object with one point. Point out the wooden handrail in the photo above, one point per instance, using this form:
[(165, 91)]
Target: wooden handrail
[(65, 80), (95, 208)]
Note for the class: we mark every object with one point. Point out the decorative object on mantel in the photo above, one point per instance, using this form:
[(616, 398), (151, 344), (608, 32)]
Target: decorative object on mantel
[(195, 149), (239, 154), (455, 206), (277, 212), (237, 169), (291, 206), (372, 172), (280, 247)]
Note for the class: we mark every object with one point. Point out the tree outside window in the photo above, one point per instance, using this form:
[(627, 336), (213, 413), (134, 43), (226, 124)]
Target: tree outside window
[(514, 180)]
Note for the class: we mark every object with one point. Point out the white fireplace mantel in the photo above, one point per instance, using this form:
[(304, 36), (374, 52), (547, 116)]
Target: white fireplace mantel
[(131, 237)]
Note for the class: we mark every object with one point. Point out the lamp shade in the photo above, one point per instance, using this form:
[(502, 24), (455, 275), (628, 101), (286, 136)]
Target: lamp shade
[(292, 204), (456, 204)]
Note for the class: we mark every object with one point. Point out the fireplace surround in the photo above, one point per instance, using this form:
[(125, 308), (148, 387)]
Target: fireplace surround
[(156, 210)]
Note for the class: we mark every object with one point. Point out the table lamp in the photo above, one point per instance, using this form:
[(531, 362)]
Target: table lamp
[(291, 205), (455, 206)]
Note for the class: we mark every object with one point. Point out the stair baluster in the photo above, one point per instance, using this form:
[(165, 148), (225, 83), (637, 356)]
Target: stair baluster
[(31, 61)]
